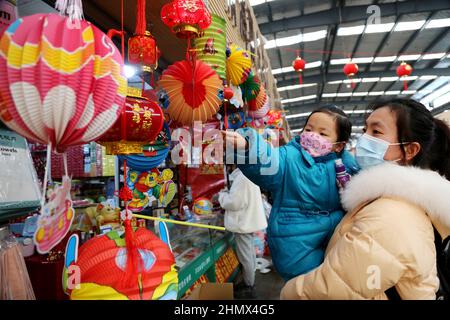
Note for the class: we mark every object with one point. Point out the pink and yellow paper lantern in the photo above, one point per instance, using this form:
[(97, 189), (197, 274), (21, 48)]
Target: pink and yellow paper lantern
[(61, 83)]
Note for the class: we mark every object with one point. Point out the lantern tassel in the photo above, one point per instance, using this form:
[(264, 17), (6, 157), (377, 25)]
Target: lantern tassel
[(72, 8), (300, 78), (405, 85), (141, 21)]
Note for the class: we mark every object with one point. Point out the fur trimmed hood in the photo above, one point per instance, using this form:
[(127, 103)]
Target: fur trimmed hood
[(424, 188)]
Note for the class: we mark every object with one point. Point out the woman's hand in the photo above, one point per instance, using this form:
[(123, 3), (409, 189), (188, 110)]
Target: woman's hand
[(235, 139)]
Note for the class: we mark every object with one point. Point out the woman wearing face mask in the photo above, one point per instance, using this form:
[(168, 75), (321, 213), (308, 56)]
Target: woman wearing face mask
[(306, 206), (386, 240)]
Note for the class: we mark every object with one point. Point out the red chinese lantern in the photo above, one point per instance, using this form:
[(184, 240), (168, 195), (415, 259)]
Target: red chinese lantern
[(186, 18), (142, 48), (228, 93), (350, 70), (139, 123), (299, 65), (404, 70)]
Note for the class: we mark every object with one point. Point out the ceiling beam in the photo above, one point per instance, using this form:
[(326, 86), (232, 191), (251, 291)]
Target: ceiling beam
[(349, 14)]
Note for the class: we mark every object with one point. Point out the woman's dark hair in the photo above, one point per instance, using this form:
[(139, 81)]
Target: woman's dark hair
[(415, 123), (343, 123)]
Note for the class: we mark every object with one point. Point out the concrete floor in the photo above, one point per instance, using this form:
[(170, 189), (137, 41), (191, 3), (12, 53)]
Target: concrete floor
[(268, 286)]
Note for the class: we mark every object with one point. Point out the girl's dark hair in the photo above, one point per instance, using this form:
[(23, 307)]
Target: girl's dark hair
[(415, 123), (343, 123)]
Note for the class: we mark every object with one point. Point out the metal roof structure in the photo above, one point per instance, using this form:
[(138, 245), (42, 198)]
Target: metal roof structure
[(376, 34)]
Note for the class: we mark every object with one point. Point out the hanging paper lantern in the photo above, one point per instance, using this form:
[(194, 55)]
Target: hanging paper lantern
[(142, 48), (8, 15), (350, 70), (259, 101), (404, 70), (153, 154), (299, 65), (194, 93), (235, 120), (228, 93), (186, 18), (211, 46), (140, 122), (251, 87), (260, 113), (239, 65), (59, 84), (102, 264)]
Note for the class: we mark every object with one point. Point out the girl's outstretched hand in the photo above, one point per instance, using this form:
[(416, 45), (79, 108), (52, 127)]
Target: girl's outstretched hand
[(235, 139)]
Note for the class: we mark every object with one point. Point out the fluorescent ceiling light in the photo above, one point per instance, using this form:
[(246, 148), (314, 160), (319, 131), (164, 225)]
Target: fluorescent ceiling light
[(409, 78), (385, 59), (409, 91), (438, 23), (376, 93), (298, 115), (287, 41), (344, 94), (430, 77), (357, 111), (371, 79), (409, 57), (431, 56), (362, 60), (409, 25), (392, 93), (348, 31), (378, 28), (299, 99), (314, 64), (444, 99), (357, 80), (335, 82), (435, 94), (296, 130), (296, 86), (339, 61), (388, 79), (329, 95), (360, 94)]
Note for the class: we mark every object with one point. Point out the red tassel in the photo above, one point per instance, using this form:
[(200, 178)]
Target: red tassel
[(141, 21), (405, 85), (300, 78), (352, 84)]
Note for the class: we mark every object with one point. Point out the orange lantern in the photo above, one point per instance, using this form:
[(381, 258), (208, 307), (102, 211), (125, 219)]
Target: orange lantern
[(404, 70), (142, 48), (139, 123), (186, 18), (299, 65), (350, 70)]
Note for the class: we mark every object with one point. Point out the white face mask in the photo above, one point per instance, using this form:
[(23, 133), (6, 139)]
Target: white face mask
[(370, 151)]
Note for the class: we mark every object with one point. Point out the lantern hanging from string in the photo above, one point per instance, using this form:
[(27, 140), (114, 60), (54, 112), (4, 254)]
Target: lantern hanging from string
[(228, 93), (299, 65), (404, 70), (142, 48), (350, 70), (186, 18)]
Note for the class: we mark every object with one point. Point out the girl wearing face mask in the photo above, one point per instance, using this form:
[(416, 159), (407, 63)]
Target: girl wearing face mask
[(306, 206), (397, 206)]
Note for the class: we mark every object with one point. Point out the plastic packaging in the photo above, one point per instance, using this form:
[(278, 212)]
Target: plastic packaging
[(342, 177)]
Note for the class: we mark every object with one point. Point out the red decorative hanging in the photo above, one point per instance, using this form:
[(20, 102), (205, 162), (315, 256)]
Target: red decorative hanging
[(142, 48), (299, 65), (404, 70), (350, 70), (228, 93), (186, 18)]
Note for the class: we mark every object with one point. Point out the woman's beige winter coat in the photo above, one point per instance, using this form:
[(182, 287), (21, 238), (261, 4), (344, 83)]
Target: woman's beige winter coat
[(386, 239)]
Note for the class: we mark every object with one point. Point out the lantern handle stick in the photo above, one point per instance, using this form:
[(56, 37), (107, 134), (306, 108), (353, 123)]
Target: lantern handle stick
[(184, 223), (66, 172), (47, 166)]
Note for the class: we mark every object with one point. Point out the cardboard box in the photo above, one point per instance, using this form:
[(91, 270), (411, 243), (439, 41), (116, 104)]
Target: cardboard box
[(212, 291)]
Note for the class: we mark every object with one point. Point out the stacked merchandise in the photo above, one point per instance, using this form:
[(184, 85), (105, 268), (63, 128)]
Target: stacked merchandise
[(226, 265)]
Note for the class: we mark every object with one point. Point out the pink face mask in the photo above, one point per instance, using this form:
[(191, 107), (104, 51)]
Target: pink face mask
[(315, 144)]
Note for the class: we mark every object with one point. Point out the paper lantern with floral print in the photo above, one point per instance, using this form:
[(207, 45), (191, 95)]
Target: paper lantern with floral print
[(260, 113), (259, 101), (186, 18), (59, 85), (194, 91), (239, 65)]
